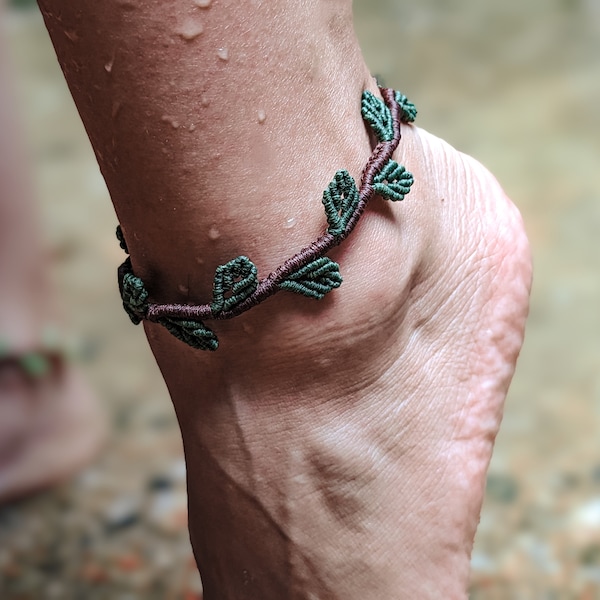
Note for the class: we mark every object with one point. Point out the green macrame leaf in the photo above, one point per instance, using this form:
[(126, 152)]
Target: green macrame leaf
[(340, 200), (408, 109), (315, 279), (378, 116), (393, 182), (135, 297), (192, 333), (233, 283), (35, 364)]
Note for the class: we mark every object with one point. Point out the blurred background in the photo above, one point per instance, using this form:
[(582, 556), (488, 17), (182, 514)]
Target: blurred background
[(514, 83)]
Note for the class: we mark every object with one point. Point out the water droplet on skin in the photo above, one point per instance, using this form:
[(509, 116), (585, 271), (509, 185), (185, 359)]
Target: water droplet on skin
[(116, 107), (72, 36), (168, 119), (127, 5), (223, 54), (214, 233), (190, 31), (202, 3), (109, 65), (262, 116), (192, 127), (290, 223), (204, 101)]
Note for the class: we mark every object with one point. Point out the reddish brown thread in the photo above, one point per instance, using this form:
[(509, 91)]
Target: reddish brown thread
[(269, 285)]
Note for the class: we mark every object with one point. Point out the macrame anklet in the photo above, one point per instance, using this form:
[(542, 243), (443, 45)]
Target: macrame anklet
[(236, 286)]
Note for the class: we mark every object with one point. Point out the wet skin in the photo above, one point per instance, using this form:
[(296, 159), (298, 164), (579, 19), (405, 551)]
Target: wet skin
[(335, 449)]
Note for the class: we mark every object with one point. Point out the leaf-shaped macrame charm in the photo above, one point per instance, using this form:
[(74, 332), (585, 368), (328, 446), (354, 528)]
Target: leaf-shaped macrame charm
[(340, 200), (407, 108), (393, 182), (315, 279), (233, 283), (192, 333), (376, 113), (134, 296)]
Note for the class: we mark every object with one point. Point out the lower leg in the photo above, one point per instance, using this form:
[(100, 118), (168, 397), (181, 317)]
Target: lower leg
[(23, 304), (49, 423), (334, 449)]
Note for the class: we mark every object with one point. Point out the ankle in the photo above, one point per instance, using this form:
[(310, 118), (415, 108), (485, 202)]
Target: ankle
[(294, 498)]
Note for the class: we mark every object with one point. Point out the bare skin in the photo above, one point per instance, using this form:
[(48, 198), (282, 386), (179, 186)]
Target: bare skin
[(21, 255), (335, 449), (50, 424)]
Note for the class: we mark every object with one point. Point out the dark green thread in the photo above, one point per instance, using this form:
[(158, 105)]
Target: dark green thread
[(35, 364), (378, 116), (39, 363), (236, 287), (340, 200), (192, 333), (121, 239), (408, 109), (233, 283), (314, 280), (135, 302), (135, 298), (393, 182)]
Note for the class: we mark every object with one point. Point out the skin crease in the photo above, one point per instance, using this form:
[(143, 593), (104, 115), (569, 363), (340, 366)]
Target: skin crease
[(335, 449)]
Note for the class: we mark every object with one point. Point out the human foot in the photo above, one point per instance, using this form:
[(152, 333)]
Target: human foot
[(339, 450), (335, 449), (50, 423)]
